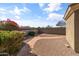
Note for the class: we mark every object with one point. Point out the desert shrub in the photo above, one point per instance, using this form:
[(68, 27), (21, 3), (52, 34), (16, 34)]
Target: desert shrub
[(31, 33), (8, 25), (10, 41)]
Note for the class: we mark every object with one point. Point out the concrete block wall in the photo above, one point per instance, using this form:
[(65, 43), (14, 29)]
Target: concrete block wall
[(61, 31)]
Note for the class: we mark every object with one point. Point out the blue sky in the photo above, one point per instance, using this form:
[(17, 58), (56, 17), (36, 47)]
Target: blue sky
[(33, 14)]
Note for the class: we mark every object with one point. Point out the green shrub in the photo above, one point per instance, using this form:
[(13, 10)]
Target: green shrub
[(31, 33), (10, 41)]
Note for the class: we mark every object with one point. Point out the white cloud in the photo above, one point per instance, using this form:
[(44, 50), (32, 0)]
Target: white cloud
[(3, 11), (52, 7), (3, 17), (55, 16), (52, 17), (18, 11), (15, 13), (17, 17), (41, 5), (25, 10)]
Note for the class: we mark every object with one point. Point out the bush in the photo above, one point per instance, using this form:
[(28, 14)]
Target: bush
[(31, 33), (10, 41), (8, 25)]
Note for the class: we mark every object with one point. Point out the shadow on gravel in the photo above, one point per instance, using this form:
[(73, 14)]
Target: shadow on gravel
[(25, 51)]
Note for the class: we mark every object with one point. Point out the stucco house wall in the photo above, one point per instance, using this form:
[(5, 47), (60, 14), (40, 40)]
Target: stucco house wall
[(70, 30), (72, 26), (77, 30)]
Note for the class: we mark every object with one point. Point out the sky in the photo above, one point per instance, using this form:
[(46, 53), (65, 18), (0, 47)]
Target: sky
[(33, 14)]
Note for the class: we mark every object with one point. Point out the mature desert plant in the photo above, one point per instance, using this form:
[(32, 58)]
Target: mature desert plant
[(10, 41), (31, 33), (61, 23), (8, 25)]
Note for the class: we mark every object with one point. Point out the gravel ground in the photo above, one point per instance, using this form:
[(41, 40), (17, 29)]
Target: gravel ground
[(47, 45), (25, 51)]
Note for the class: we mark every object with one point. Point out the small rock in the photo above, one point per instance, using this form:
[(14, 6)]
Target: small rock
[(68, 46)]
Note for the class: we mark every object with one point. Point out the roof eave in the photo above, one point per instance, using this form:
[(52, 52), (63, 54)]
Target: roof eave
[(71, 8)]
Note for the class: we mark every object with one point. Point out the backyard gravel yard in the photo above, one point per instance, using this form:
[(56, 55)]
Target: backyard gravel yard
[(49, 45)]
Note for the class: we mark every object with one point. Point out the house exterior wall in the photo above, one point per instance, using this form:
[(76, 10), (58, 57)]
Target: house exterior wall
[(70, 30), (76, 30), (72, 26)]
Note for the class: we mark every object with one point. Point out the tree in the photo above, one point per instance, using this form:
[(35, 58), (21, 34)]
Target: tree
[(48, 26), (8, 25), (61, 23)]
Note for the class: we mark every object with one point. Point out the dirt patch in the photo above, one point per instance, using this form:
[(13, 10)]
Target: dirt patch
[(49, 35), (51, 45), (48, 45)]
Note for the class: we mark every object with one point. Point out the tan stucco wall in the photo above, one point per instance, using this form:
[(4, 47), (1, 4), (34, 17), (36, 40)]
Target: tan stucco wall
[(70, 30), (76, 30)]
